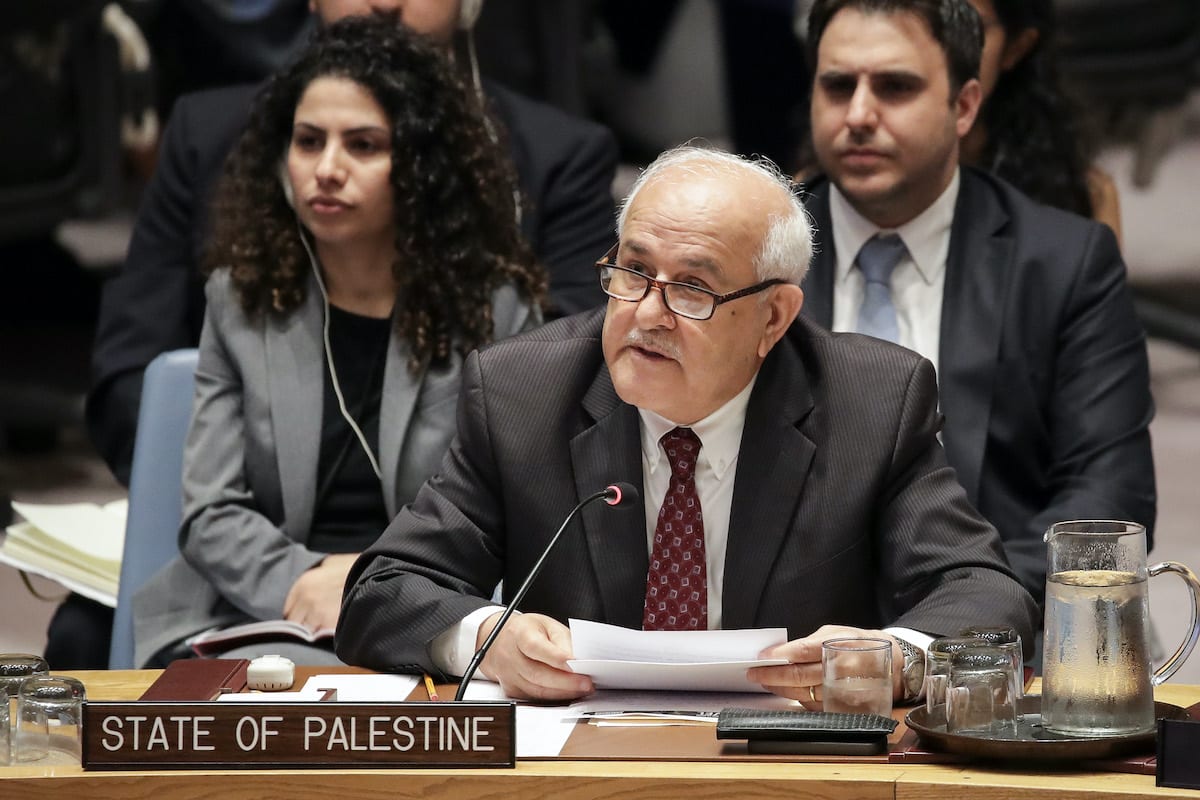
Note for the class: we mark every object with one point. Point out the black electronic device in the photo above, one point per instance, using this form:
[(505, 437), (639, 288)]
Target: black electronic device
[(806, 732)]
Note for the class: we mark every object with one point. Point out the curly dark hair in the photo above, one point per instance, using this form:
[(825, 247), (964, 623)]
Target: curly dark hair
[(1035, 137), (457, 237)]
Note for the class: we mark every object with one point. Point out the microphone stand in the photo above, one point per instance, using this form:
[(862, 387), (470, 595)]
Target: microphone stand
[(611, 493)]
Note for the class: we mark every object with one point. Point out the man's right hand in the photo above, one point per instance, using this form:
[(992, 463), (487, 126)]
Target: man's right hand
[(529, 659)]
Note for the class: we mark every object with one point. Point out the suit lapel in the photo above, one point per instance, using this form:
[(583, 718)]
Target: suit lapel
[(295, 364), (973, 303), (401, 388), (773, 466), (610, 451), (818, 285)]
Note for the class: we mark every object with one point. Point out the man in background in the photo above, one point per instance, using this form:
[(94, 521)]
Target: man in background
[(1023, 309)]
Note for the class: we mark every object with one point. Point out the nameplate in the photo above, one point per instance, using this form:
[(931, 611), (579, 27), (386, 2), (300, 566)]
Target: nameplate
[(143, 735)]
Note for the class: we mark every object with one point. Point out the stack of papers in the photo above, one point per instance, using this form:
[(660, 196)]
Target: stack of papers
[(77, 544), (543, 730), (686, 661)]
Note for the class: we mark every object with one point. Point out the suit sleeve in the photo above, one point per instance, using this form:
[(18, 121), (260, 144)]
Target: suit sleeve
[(941, 562), (576, 219), (438, 561), (224, 536), (149, 307), (1100, 461)]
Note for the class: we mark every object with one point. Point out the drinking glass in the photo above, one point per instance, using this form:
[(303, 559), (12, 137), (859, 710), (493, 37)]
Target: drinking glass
[(5, 734), (49, 719), (937, 669), (1005, 637), (14, 668), (857, 676), (979, 694)]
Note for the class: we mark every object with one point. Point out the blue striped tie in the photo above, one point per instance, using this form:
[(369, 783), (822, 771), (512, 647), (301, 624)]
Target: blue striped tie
[(877, 258)]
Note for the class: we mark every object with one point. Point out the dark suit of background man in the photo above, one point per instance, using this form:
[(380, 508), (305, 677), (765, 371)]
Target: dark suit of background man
[(826, 503), (156, 303), (1023, 309)]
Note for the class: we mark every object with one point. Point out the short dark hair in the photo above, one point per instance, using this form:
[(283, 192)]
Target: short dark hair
[(954, 24)]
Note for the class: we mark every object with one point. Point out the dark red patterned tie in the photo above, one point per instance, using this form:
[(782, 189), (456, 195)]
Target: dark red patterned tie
[(677, 583)]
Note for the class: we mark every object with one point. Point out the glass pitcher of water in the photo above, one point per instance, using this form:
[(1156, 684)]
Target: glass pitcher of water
[(1097, 678)]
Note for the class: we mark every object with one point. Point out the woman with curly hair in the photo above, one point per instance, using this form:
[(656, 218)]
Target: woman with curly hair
[(365, 240), (1028, 131)]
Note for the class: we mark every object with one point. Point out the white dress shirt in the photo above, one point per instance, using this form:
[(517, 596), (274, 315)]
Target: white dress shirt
[(917, 281)]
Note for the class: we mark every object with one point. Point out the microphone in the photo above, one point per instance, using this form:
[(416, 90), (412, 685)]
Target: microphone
[(618, 495)]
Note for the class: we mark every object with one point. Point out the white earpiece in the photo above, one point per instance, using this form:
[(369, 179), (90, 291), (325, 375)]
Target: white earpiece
[(468, 13), (337, 387)]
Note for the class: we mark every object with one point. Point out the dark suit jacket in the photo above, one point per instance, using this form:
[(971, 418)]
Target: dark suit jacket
[(1043, 374), (843, 507), (156, 303)]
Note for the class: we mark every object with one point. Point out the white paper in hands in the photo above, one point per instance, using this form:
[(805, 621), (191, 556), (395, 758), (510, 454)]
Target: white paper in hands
[(694, 661)]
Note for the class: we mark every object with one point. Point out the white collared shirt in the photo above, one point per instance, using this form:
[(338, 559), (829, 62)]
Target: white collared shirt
[(917, 281)]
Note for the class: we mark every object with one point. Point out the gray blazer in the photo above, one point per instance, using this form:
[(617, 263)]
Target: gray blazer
[(844, 510), (250, 462)]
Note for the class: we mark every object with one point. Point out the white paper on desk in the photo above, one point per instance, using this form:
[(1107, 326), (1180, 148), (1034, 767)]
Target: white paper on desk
[(305, 695), (694, 661), (365, 688), (541, 730), (612, 701)]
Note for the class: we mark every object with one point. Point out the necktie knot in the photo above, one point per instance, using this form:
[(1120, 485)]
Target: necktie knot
[(879, 256), (682, 447)]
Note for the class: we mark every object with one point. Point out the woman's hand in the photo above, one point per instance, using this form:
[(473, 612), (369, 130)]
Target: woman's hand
[(315, 598)]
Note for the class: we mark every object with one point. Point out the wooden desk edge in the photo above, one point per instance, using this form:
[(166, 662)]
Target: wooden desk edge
[(585, 779)]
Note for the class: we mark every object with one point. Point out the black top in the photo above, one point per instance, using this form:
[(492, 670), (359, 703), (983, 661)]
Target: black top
[(349, 512)]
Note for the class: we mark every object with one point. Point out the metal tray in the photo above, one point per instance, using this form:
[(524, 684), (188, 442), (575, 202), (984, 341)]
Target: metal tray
[(1033, 742)]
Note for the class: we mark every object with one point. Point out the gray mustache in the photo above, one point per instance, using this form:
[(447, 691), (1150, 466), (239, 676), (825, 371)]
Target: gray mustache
[(653, 341)]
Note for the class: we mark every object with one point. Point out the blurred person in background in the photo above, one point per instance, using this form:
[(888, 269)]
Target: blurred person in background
[(1028, 130)]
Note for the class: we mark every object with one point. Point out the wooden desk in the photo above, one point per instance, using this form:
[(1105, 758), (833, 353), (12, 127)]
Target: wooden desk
[(583, 779)]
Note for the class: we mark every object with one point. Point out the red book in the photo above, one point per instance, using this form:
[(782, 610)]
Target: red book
[(198, 679)]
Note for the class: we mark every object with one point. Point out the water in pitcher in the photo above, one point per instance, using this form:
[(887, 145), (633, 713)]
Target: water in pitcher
[(1098, 678)]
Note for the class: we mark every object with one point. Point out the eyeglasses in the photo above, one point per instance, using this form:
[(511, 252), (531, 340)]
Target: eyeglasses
[(684, 299)]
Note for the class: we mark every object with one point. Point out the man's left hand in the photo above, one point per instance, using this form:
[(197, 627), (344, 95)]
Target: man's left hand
[(801, 679)]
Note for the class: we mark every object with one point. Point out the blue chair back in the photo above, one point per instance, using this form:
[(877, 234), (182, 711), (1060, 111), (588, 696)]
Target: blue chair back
[(155, 487)]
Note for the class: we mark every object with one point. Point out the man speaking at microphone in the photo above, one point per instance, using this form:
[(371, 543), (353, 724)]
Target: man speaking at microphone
[(790, 477)]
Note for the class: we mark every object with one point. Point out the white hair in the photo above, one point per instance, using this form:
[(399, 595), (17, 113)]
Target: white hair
[(787, 245)]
